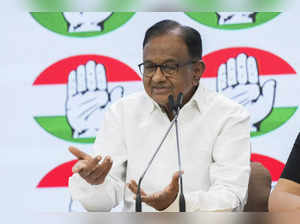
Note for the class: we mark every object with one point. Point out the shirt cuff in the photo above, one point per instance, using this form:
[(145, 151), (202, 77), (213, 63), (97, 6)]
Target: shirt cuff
[(92, 197)]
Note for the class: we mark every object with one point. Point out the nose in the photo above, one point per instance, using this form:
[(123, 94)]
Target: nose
[(158, 75)]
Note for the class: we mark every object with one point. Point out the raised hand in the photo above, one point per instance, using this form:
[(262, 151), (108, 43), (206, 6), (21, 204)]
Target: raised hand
[(89, 168), (239, 80), (86, 21), (87, 96), (159, 200), (235, 17)]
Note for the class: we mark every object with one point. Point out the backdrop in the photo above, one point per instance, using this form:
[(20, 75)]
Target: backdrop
[(47, 57)]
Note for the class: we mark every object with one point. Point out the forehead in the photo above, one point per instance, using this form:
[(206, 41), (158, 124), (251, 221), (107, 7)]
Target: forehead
[(165, 47)]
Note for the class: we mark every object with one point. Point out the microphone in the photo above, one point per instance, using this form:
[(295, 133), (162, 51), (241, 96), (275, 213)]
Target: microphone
[(138, 201), (176, 109)]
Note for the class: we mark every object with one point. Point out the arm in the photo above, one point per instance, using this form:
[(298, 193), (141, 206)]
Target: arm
[(286, 194), (105, 196)]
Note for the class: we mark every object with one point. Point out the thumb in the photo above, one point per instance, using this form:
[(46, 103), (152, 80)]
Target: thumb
[(116, 93), (268, 92), (175, 178)]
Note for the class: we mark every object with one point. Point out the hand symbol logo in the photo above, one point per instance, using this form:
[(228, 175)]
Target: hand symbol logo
[(238, 79), (86, 21), (235, 17), (87, 96)]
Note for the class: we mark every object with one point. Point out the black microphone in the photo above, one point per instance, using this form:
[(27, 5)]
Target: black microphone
[(176, 112), (138, 200)]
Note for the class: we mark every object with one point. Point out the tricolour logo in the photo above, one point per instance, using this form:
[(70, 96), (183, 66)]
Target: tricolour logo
[(73, 93), (256, 79), (232, 20), (82, 24)]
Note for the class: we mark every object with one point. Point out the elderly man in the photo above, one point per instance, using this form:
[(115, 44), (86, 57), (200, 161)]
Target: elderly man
[(214, 134)]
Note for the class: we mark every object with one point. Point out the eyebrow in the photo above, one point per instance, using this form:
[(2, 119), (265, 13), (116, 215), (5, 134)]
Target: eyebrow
[(166, 61)]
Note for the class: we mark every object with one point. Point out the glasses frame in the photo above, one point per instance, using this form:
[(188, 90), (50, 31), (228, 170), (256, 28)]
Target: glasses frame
[(161, 66)]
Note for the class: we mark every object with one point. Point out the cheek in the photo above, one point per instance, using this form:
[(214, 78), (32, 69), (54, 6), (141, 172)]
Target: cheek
[(146, 84)]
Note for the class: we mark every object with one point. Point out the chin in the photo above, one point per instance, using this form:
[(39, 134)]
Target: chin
[(161, 100)]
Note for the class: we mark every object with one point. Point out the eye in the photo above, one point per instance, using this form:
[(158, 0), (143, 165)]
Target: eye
[(170, 68), (149, 65)]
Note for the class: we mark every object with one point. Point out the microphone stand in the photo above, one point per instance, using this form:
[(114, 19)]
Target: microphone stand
[(176, 113), (138, 200)]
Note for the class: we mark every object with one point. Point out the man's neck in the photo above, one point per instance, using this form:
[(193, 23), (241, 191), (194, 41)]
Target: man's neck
[(187, 98)]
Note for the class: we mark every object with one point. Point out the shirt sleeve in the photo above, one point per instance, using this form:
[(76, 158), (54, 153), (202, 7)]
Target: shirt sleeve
[(292, 166), (229, 170), (109, 141)]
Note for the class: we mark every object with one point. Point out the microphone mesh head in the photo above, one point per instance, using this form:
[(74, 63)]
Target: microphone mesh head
[(171, 102), (179, 99)]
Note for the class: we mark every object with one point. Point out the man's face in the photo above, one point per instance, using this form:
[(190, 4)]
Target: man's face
[(168, 48)]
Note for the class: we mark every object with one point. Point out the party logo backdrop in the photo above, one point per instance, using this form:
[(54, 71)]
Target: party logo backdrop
[(82, 24), (256, 79), (232, 20), (91, 83)]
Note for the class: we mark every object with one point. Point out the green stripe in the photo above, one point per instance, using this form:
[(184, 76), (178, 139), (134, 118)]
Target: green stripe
[(59, 127), (278, 117)]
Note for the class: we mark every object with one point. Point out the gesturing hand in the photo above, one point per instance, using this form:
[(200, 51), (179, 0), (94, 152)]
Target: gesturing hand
[(239, 80), (159, 200), (89, 167)]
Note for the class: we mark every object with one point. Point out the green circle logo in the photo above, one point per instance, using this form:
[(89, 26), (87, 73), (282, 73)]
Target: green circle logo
[(232, 20), (82, 24)]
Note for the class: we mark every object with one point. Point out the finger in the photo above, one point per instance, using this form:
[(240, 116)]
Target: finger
[(101, 77), (222, 78), (78, 167), (78, 153), (71, 86), (175, 178), (252, 70), (116, 93), (132, 186), (91, 75), (107, 165), (103, 169), (92, 164), (231, 72), (81, 78), (96, 173), (242, 76)]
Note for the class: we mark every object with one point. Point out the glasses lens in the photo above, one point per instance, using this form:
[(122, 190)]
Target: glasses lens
[(147, 69), (170, 69)]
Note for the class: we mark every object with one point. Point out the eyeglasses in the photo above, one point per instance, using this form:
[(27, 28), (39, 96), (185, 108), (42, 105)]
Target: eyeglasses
[(169, 69)]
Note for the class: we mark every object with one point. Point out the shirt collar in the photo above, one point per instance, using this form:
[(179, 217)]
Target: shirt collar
[(197, 101)]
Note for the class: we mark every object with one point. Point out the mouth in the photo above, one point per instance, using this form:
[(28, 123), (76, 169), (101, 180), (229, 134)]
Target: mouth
[(160, 90)]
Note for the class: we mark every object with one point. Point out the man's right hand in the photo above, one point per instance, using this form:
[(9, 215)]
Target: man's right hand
[(89, 168)]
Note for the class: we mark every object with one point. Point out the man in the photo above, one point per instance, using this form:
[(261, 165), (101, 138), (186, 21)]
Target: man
[(214, 137)]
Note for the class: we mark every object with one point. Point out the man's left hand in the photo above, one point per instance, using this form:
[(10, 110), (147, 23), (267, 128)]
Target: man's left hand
[(162, 199)]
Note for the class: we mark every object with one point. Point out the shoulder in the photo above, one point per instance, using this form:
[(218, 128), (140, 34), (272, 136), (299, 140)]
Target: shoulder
[(222, 105), (133, 102)]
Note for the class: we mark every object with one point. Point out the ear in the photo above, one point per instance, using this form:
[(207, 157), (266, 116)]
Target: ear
[(198, 70)]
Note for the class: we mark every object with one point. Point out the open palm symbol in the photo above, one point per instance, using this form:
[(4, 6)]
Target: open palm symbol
[(239, 80), (87, 96)]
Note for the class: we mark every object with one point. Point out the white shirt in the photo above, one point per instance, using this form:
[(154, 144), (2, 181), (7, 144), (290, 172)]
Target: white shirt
[(215, 151)]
